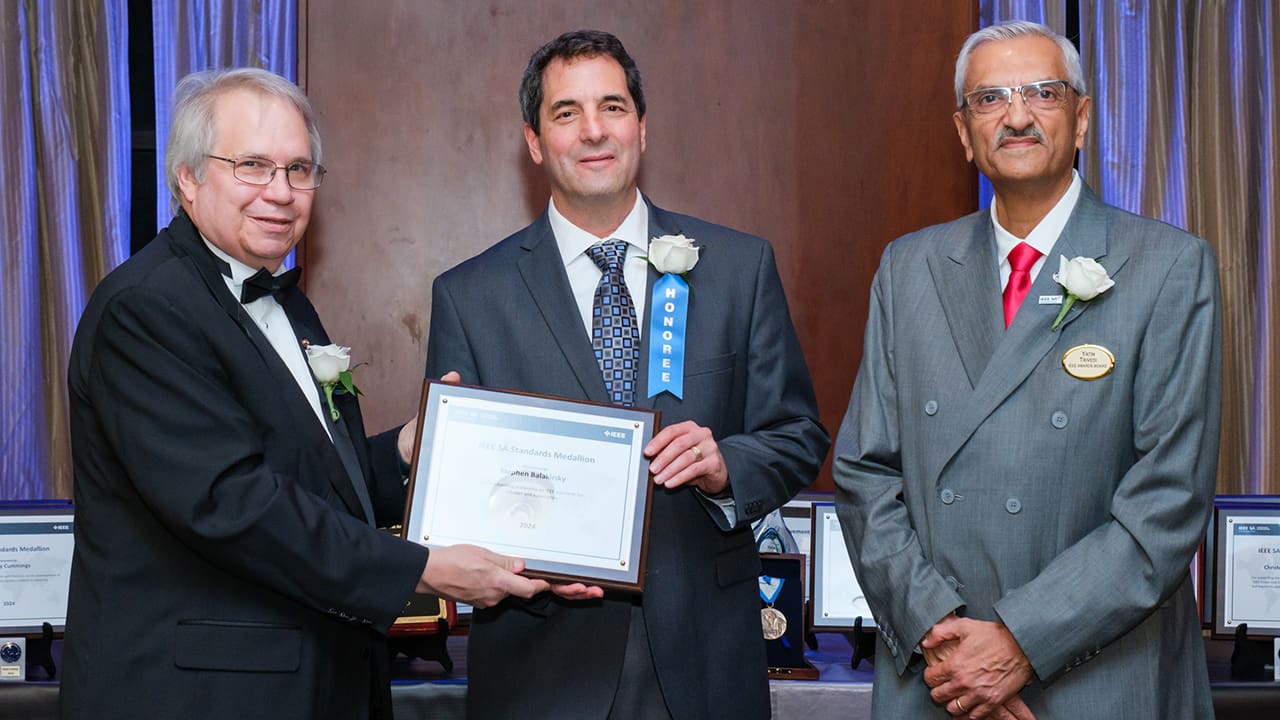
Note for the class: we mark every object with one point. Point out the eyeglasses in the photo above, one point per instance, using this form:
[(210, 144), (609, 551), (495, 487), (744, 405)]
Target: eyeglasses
[(300, 175), (1043, 95)]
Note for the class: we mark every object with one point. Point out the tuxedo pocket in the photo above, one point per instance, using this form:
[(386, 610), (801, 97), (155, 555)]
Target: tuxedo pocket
[(242, 646)]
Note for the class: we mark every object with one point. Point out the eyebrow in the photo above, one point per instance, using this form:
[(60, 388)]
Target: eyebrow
[(262, 156), (614, 98), (562, 104)]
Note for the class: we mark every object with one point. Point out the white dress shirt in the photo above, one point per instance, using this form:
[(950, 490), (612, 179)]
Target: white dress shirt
[(584, 274), (274, 323), (1042, 237)]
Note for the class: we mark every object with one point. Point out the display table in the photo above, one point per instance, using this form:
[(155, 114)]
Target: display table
[(423, 692)]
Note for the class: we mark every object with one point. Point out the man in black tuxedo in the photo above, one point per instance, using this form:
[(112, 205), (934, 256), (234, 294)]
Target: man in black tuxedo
[(227, 561), (741, 438)]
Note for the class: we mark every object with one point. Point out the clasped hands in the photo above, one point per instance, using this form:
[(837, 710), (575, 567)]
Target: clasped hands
[(976, 669)]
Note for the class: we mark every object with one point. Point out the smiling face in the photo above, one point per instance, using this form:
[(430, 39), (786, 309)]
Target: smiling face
[(1020, 149), (591, 140), (256, 224)]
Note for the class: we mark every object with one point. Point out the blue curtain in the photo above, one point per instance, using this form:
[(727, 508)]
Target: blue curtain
[(192, 35), (1185, 128), (64, 180)]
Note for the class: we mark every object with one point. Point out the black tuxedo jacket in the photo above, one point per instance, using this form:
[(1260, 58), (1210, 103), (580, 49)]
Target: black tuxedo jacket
[(223, 567), (507, 319)]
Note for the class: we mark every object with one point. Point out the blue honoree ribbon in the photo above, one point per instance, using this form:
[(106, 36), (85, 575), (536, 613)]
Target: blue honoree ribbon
[(770, 587), (668, 311)]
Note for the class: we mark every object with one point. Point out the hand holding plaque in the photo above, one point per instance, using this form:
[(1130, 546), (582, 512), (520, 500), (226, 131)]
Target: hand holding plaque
[(560, 483)]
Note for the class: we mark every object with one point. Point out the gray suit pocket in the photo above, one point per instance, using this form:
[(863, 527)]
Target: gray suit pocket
[(244, 646), (705, 366)]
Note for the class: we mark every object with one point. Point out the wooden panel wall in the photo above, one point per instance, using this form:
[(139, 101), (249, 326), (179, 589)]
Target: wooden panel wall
[(822, 125)]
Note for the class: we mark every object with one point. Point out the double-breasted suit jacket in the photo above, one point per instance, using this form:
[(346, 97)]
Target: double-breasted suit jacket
[(507, 319), (974, 472), (223, 566)]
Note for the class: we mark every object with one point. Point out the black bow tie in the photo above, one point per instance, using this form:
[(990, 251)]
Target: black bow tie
[(263, 283)]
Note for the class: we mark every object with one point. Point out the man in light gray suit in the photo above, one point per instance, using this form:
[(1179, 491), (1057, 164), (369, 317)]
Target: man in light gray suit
[(740, 438), (1022, 483)]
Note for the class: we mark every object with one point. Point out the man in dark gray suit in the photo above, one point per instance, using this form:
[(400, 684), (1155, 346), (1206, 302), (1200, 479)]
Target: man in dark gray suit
[(741, 439), (1023, 476)]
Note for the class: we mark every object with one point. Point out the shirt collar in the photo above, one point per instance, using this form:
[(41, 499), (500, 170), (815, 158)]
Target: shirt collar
[(1045, 234), (573, 241), (239, 271)]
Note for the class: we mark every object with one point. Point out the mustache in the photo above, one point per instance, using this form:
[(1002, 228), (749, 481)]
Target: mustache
[(1030, 131)]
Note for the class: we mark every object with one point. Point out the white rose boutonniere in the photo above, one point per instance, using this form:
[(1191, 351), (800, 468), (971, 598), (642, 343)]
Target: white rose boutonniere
[(331, 364), (1084, 280), (672, 254)]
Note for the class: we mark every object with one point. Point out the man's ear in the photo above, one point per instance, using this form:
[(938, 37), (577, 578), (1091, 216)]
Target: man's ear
[(187, 185), (1082, 120), (963, 131), (535, 144)]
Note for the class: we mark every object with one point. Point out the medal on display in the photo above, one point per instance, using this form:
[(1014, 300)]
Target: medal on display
[(772, 620)]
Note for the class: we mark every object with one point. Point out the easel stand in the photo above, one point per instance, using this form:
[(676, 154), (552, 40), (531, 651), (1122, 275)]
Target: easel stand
[(433, 646), (863, 642), (40, 653), (1249, 658)]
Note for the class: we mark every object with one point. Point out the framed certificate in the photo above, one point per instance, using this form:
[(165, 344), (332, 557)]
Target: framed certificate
[(36, 543), (562, 484), (1247, 566), (838, 600)]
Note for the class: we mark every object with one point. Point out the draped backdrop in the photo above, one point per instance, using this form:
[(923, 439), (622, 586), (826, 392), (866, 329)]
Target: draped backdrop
[(1185, 128), (64, 200), (65, 175), (192, 35)]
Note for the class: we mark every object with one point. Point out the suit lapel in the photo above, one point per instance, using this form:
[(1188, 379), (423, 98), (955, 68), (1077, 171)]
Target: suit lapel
[(542, 269), (967, 281), (1029, 339), (354, 492), (205, 265), (301, 416)]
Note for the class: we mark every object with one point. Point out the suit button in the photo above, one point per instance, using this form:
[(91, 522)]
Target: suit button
[(1013, 505), (1059, 419), (947, 496), (931, 408), (952, 582)]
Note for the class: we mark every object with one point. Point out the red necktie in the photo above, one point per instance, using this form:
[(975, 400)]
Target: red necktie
[(1021, 259)]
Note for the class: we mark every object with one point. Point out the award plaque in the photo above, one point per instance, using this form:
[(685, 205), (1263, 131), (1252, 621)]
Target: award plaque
[(838, 600), (36, 543), (561, 484), (1247, 567)]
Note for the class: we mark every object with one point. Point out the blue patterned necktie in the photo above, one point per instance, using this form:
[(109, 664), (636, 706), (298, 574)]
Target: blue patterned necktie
[(615, 335)]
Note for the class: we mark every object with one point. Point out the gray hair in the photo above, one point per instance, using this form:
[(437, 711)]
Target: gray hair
[(1017, 29), (191, 129)]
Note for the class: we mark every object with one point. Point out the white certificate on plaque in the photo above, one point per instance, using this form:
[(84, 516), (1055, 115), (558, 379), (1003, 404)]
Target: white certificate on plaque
[(35, 570), (838, 600), (1251, 576), (562, 484)]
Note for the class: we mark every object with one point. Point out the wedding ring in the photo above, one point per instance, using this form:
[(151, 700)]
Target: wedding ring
[(959, 707), (697, 453)]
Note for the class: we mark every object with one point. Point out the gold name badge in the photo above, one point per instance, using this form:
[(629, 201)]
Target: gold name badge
[(1088, 362)]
